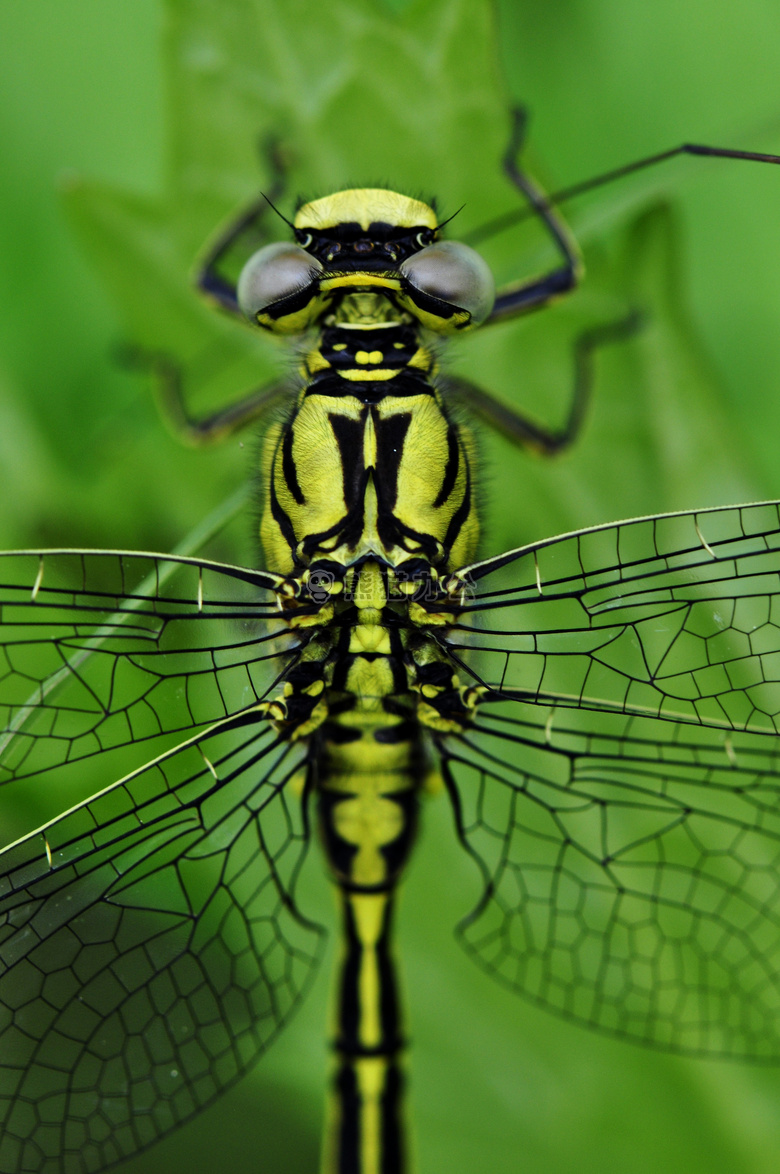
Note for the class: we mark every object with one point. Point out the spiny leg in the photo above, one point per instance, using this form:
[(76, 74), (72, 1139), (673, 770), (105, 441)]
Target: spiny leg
[(539, 291), (199, 431), (245, 233), (517, 215), (532, 295), (527, 433)]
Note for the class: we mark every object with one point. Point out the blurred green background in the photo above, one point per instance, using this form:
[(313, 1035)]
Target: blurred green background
[(149, 117)]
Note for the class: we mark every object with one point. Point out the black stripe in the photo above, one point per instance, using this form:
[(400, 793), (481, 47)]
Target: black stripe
[(392, 532), (408, 382), (460, 515), (346, 1093), (349, 438), (450, 469), (429, 304), (404, 731), (281, 518), (396, 853), (348, 1040), (339, 854), (390, 437), (289, 469), (340, 735), (393, 1153), (294, 302), (389, 1005)]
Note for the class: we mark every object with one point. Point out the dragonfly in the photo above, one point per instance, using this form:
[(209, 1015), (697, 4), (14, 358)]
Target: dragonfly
[(601, 710)]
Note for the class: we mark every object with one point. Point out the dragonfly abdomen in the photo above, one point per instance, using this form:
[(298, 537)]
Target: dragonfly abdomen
[(364, 1130), (368, 821), (369, 779)]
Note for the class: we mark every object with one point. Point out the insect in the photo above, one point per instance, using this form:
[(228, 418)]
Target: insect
[(600, 708)]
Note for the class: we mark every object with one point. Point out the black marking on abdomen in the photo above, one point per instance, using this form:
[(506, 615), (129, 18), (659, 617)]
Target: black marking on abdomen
[(348, 1041), (340, 734), (392, 735)]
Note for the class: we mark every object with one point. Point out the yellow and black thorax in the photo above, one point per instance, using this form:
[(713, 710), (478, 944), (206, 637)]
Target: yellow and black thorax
[(370, 462)]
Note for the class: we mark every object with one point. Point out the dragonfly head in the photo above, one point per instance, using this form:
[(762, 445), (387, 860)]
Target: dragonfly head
[(361, 240)]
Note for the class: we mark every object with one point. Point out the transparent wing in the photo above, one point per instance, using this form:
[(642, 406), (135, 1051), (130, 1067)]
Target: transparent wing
[(676, 616), (150, 949), (624, 814), (100, 650)]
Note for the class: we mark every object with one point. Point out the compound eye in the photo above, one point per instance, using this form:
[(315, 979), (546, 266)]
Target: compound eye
[(453, 273), (272, 273)]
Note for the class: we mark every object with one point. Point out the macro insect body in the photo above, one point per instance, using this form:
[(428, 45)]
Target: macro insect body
[(602, 709)]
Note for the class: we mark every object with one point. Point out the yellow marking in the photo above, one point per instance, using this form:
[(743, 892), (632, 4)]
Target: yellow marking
[(457, 323), (367, 309), (369, 638), (369, 913), (365, 206), (433, 783), (366, 756), (297, 784), (538, 576), (370, 589), (377, 375), (317, 717), (703, 540), (368, 356), (370, 1073), (296, 322), (420, 617), (430, 717), (339, 346), (422, 360), (373, 280), (371, 681), (369, 444), (370, 536), (368, 818), (371, 304), (200, 589), (38, 580), (314, 619), (315, 361), (47, 846), (274, 710)]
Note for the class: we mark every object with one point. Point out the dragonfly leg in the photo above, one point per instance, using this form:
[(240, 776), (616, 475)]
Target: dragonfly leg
[(193, 430), (242, 236), (527, 433), (532, 294)]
